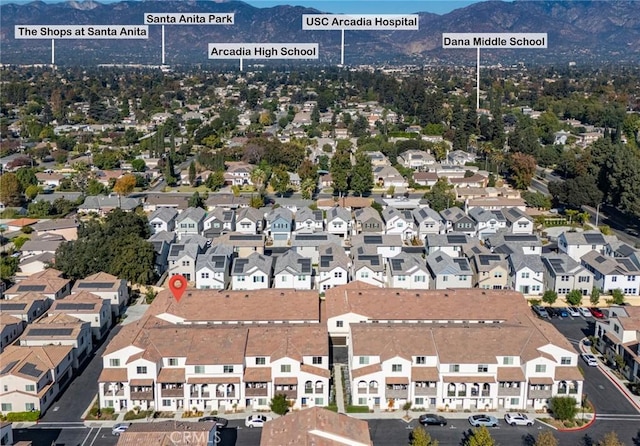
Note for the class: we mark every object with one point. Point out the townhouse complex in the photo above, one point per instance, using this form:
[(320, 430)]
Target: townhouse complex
[(438, 349)]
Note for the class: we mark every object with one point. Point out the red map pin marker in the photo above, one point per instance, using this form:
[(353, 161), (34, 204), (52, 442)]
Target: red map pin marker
[(177, 285)]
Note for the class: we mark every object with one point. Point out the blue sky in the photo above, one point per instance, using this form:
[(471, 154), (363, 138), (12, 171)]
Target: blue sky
[(371, 7)]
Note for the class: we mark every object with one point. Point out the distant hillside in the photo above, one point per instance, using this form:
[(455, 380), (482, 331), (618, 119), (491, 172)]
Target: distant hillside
[(589, 31)]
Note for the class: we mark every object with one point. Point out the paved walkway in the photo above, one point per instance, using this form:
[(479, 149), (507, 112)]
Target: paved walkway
[(337, 379)]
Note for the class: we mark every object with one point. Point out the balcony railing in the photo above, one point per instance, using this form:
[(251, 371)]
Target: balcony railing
[(256, 391), (169, 393), (142, 396), (540, 393), (110, 392), (396, 393), (426, 391), (450, 393), (508, 391), (289, 394), (225, 394)]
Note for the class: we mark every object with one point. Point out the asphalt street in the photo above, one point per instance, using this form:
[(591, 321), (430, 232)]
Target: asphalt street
[(83, 388)]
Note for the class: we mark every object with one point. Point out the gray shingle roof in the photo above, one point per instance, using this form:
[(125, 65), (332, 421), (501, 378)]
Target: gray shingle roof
[(440, 263), (195, 214), (242, 266), (338, 212), (164, 214), (333, 256), (293, 263)]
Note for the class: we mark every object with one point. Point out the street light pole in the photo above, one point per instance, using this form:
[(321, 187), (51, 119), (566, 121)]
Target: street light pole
[(597, 213)]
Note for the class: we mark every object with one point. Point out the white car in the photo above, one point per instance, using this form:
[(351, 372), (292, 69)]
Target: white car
[(573, 311), (584, 312), (256, 420), (589, 359), (119, 428), (518, 419)]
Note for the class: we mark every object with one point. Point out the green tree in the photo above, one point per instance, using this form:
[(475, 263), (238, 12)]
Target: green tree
[(192, 173), (564, 407), (307, 188), (258, 177), (138, 165), (279, 404), (10, 189), (362, 174), (40, 209), (549, 297), (340, 169), (441, 195), (307, 170), (32, 191), (215, 181), (280, 180), (610, 439), (574, 297), (546, 438), (480, 437), (594, 298), (257, 201), (617, 297), (420, 437), (27, 177), (536, 200), (196, 201), (95, 187)]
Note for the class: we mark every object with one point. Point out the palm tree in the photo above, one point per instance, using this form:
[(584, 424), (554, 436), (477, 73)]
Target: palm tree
[(258, 178), (307, 188)]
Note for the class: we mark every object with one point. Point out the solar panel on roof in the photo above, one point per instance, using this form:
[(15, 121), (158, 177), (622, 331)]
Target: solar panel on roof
[(373, 239), (600, 259), (175, 250), (462, 263), (325, 261), (628, 264), (30, 369), (245, 237), (12, 307), (456, 239), (439, 259), (594, 238), (95, 285), (374, 260), (22, 288), (50, 331), (8, 367), (239, 265), (557, 265), (520, 238), (74, 306), (397, 264), (311, 237)]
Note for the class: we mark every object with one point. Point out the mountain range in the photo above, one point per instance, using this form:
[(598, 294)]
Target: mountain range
[(589, 32)]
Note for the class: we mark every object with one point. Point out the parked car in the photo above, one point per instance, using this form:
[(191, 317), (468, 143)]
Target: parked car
[(584, 312), (589, 359), (430, 419), (119, 428), (220, 422), (596, 312), (552, 312), (256, 420), (632, 232), (573, 312), (562, 312), (518, 419), (540, 311), (483, 420)]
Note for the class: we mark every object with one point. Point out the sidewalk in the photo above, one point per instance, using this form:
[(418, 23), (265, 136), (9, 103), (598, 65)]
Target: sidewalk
[(620, 384)]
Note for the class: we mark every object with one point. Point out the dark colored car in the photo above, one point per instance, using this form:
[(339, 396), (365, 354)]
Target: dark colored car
[(552, 312), (220, 422), (563, 312), (430, 419), (596, 312)]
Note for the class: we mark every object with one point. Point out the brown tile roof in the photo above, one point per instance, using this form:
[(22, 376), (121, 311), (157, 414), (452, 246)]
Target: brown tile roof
[(468, 379), (286, 380), (396, 380), (164, 433), (169, 375), (510, 374), (316, 427), (541, 380), (43, 358), (367, 370), (397, 304), (391, 340), (346, 202), (266, 305), (425, 374), (141, 382), (325, 373), (293, 341), (213, 380), (51, 284), (113, 375), (257, 374), (568, 374)]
